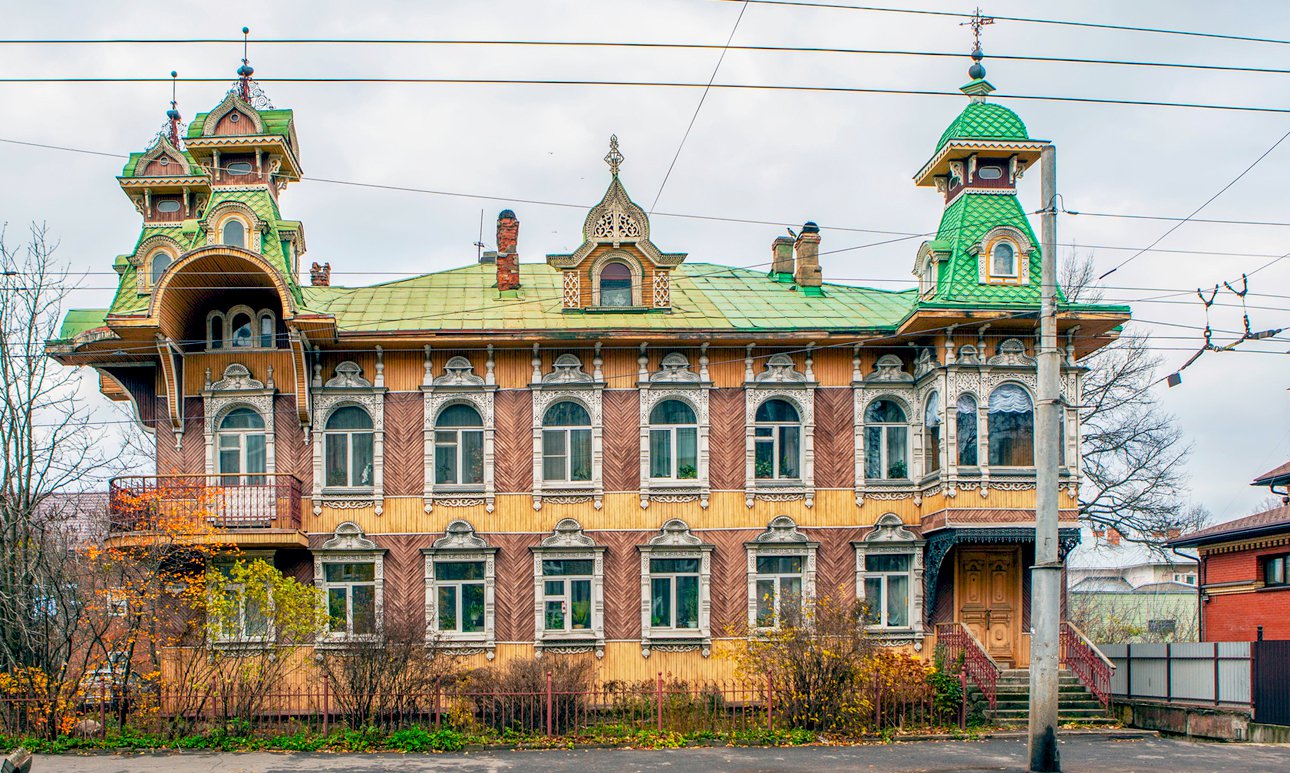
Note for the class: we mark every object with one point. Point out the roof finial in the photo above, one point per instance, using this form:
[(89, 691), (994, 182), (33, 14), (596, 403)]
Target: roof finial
[(614, 158), (172, 115), (245, 72), (978, 87)]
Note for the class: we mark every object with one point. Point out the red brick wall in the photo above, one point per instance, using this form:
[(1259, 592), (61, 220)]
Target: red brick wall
[(1236, 616)]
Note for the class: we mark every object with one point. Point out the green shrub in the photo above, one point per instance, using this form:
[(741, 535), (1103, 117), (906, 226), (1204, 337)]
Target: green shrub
[(417, 739)]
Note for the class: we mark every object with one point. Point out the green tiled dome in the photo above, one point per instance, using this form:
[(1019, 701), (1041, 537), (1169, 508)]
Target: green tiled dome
[(985, 121)]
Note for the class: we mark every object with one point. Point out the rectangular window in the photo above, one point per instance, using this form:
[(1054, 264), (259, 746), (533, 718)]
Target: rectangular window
[(459, 457), (555, 459), (887, 580), (778, 586), (566, 594), (1274, 570), (674, 593), (460, 592), (351, 596), (1162, 627)]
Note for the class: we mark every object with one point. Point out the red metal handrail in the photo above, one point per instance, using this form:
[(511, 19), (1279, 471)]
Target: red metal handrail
[(137, 503), (1087, 663), (956, 640)]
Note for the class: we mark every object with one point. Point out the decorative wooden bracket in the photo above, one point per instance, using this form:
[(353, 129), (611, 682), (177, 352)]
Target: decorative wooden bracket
[(172, 376), (300, 372)]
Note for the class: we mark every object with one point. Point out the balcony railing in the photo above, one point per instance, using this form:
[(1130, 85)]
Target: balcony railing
[(190, 503)]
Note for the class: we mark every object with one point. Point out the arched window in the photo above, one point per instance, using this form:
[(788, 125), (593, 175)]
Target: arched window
[(777, 438), (965, 430), (161, 261), (215, 331), (1012, 427), (886, 441), (348, 448), (241, 334), (1003, 259), (566, 443), (615, 285), (233, 233), (932, 433), (240, 444), (459, 447), (267, 332), (673, 441)]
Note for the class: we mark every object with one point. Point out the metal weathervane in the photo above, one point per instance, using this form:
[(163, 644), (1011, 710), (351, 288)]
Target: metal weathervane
[(614, 158)]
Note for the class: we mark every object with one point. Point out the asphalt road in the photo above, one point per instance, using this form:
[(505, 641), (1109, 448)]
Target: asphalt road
[(1078, 755)]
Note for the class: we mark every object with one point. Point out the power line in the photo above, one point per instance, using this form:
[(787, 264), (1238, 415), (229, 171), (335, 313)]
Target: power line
[(657, 84), (1216, 221), (1027, 20)]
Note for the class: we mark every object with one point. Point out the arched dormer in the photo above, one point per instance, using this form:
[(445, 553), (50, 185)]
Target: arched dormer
[(182, 301), (231, 222), (1003, 256), (232, 117), (148, 259), (616, 232), (162, 160)]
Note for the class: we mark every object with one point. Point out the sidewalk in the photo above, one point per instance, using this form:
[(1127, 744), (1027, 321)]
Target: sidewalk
[(1080, 754)]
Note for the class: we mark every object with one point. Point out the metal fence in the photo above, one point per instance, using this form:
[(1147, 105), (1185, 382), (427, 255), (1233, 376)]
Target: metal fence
[(1208, 673)]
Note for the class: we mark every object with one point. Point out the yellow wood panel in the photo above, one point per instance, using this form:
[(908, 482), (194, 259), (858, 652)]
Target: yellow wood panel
[(256, 360)]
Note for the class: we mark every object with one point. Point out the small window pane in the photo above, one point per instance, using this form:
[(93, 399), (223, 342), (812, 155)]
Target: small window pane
[(873, 452), (687, 453), (350, 572), (230, 462), (566, 414), (242, 335), (674, 565), (580, 454), (898, 600), (160, 262), (472, 457), (765, 602), (336, 453), (790, 452), (459, 415), (234, 234), (255, 453), (672, 412), (779, 565), (364, 609), (336, 598), (776, 410), (880, 562), (555, 615), (884, 412), (660, 453), (242, 418), (445, 457), (566, 567), (616, 285), (472, 608), (361, 472), (764, 459), (459, 570), (553, 458), (873, 600), (661, 601), (448, 608), (349, 417), (687, 602), (168, 206), (579, 604), (239, 167), (965, 428), (897, 445)]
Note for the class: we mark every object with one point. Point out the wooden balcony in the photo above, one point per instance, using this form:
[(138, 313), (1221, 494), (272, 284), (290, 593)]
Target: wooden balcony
[(244, 510)]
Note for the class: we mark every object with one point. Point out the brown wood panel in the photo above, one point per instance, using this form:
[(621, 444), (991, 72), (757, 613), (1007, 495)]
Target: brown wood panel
[(404, 585), (296, 564), (513, 598), (513, 441), (835, 562), (169, 459), (291, 455), (404, 444), (729, 590), (621, 440), (622, 582), (834, 438), (726, 454), (193, 453), (258, 361), (726, 366)]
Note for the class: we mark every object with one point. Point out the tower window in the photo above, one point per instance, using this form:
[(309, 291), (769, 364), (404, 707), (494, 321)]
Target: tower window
[(233, 233), (168, 206), (160, 262), (241, 331), (616, 285), (239, 167), (1003, 260), (989, 173)]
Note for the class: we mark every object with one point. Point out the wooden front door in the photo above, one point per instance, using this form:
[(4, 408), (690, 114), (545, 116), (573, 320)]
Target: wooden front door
[(988, 592)]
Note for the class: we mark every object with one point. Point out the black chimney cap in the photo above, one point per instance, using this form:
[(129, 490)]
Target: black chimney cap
[(506, 213), (809, 227)]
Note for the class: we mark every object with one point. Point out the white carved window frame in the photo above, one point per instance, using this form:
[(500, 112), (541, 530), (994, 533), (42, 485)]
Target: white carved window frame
[(781, 538), (889, 380), (147, 251), (633, 265), (460, 543), (1023, 249), (438, 398), (224, 211), (327, 400), (569, 543), (802, 398), (889, 536), (588, 395), (676, 541), (694, 395), (350, 545), (228, 394)]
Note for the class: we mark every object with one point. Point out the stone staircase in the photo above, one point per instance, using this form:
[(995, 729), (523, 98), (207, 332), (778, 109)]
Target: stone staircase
[(1076, 705)]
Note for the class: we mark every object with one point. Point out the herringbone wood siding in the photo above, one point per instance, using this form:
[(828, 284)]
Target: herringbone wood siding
[(514, 585), (404, 444), (404, 588), (169, 459), (621, 440), (834, 439), (729, 588), (835, 562), (726, 439), (291, 455), (622, 582), (193, 459), (513, 441)]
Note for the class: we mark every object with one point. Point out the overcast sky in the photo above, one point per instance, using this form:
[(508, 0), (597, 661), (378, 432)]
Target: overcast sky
[(843, 160)]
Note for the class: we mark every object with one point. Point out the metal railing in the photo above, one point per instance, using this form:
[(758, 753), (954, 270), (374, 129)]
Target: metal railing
[(1087, 663), (955, 640), (151, 503)]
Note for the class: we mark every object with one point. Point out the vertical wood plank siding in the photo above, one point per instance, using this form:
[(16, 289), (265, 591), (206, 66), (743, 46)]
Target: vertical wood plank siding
[(404, 444), (726, 439), (621, 440), (513, 442), (834, 438), (169, 459)]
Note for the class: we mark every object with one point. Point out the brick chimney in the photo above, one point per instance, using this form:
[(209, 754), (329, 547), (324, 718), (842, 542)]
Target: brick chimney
[(781, 257), (320, 276), (508, 258), (807, 273)]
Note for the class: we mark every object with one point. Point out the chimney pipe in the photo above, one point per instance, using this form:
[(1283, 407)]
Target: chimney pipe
[(781, 254), (808, 257), (508, 259), (320, 276)]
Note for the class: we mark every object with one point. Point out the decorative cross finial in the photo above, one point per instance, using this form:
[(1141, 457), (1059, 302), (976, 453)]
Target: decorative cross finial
[(245, 72), (976, 23), (614, 158), (172, 115)]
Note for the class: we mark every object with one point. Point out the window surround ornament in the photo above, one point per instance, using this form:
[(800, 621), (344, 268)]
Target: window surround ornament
[(633, 267), (888, 380), (147, 250), (676, 540), (568, 381), (348, 387), (238, 389), (225, 210), (889, 536), (230, 104), (984, 251), (781, 538), (224, 317), (779, 379), (461, 543), (568, 542), (674, 380), (459, 384), (349, 544), (926, 265)]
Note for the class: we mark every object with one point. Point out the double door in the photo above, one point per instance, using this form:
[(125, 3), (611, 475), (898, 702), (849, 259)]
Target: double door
[(988, 597)]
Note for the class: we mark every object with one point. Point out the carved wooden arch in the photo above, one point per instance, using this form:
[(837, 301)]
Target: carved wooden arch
[(162, 148), (215, 251), (231, 103), (147, 249), (634, 267)]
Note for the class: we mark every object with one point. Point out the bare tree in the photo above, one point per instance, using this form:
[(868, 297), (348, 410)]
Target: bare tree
[(1133, 452)]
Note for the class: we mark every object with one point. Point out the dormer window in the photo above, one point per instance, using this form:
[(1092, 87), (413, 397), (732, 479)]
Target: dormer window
[(989, 173), (239, 167), (157, 266), (615, 285), (233, 233), (1003, 259)]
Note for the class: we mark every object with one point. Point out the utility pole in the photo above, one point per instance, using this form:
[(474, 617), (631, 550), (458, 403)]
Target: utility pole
[(1045, 584)]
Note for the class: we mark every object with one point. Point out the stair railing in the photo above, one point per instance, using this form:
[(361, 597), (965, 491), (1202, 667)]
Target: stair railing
[(1087, 663), (956, 640)]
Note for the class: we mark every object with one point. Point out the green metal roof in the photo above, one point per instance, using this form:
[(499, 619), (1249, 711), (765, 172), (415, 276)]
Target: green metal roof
[(968, 218), (78, 321), (982, 120), (704, 297), (275, 122)]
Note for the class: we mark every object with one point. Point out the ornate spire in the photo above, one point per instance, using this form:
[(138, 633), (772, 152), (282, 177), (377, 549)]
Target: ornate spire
[(246, 88), (614, 158), (172, 115), (978, 87)]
